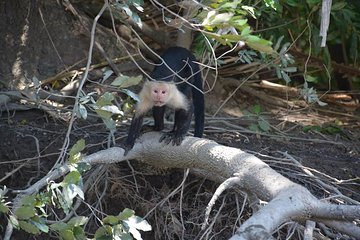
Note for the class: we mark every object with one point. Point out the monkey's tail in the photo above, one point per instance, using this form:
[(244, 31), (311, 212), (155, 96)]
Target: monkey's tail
[(199, 105)]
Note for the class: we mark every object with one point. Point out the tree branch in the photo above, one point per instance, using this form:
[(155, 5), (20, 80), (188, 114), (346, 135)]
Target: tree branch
[(287, 201)]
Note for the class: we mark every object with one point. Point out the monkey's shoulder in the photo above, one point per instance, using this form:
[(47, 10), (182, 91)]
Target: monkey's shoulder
[(177, 55), (175, 60)]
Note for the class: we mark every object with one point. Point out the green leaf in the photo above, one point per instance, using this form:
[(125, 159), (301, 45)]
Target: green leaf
[(232, 37), (14, 221), (221, 18), (3, 192), (338, 6), (78, 221), (257, 109), (138, 223), (274, 4), (218, 38), (67, 234), (3, 208), (72, 177), (28, 227), (126, 81), (103, 232), (227, 5), (41, 226), (103, 114), (82, 111), (111, 220), (331, 130), (29, 200), (118, 230), (125, 214), (78, 190), (131, 94), (210, 15), (313, 3), (105, 99), (294, 3), (112, 108), (75, 151), (260, 47), (135, 224), (59, 226), (83, 167), (264, 125), (289, 69), (110, 124), (312, 79), (238, 22), (246, 31), (25, 212), (124, 236), (285, 76), (79, 233), (254, 127), (107, 74), (70, 192)]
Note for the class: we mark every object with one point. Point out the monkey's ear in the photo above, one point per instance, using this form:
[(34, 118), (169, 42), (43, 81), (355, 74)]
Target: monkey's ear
[(148, 82)]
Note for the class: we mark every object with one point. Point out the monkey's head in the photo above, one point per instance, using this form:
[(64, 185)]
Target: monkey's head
[(160, 92)]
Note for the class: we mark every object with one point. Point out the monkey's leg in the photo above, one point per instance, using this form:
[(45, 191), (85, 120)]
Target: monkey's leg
[(158, 113)]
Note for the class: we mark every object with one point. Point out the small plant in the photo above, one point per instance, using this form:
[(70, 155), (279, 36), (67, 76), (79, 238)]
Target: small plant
[(123, 226), (261, 125), (330, 129), (32, 213)]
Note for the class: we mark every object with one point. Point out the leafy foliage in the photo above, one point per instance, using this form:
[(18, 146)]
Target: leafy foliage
[(298, 22), (33, 211), (122, 226), (261, 124), (227, 23)]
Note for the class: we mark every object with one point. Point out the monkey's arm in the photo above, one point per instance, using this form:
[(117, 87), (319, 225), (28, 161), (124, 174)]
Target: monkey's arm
[(142, 107), (181, 127), (134, 132), (183, 115)]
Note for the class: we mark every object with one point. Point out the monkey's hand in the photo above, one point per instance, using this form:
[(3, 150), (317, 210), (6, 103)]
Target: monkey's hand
[(172, 137), (127, 148)]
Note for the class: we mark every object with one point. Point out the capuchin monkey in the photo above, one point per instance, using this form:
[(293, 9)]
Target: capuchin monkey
[(175, 83)]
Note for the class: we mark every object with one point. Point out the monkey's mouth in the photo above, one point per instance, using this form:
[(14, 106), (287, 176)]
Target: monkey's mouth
[(159, 103)]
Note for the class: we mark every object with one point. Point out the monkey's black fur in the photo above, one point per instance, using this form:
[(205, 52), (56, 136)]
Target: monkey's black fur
[(182, 62)]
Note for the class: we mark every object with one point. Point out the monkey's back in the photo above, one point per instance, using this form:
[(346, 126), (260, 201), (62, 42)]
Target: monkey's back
[(179, 60)]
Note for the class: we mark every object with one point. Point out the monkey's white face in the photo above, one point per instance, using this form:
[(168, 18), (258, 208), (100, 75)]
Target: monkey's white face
[(160, 93)]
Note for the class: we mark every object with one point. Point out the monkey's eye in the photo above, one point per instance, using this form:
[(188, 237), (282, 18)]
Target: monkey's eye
[(163, 92), (155, 91)]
